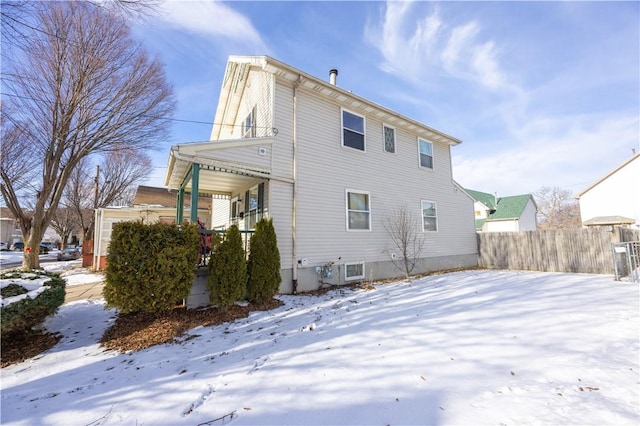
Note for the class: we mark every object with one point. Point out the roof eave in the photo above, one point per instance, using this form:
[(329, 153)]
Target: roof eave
[(331, 91)]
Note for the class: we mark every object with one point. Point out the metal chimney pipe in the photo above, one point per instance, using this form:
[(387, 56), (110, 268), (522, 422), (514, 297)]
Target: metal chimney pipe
[(332, 76)]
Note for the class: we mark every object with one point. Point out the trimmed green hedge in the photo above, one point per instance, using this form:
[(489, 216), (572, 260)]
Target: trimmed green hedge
[(264, 263), (150, 267), (227, 281), (24, 315)]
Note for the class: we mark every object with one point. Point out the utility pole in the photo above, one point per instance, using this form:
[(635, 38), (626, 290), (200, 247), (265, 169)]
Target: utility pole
[(97, 181)]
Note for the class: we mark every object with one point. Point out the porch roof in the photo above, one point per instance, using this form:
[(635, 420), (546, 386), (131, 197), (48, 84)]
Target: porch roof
[(220, 172)]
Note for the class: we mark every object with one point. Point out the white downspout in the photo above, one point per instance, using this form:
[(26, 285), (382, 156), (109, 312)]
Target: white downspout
[(295, 191), (97, 237)]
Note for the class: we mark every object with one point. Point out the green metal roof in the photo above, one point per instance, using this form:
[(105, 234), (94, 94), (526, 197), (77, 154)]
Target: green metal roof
[(486, 199), (510, 207)]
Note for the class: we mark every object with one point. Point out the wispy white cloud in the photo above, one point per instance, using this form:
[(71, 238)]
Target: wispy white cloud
[(570, 152), (214, 19), (415, 48)]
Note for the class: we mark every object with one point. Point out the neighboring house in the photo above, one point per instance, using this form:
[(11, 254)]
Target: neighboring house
[(10, 231), (150, 205), (329, 168), (614, 199), (504, 214), (8, 226)]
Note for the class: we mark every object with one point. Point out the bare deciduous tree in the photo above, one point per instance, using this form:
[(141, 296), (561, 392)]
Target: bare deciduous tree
[(64, 222), (404, 231), (557, 209), (83, 86), (130, 7), (115, 177)]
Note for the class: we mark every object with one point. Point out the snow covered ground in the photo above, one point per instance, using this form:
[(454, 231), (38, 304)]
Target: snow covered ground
[(70, 270), (473, 347)]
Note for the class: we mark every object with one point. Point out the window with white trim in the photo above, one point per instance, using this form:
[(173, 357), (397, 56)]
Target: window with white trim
[(253, 207), (352, 130), (358, 211), (429, 216), (389, 135), (353, 271), (249, 125), (426, 153)]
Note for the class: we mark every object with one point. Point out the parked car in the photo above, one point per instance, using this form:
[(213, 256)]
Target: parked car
[(69, 253), (19, 246), (50, 245)]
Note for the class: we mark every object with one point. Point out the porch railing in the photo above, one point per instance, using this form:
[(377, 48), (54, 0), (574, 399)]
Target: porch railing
[(206, 239)]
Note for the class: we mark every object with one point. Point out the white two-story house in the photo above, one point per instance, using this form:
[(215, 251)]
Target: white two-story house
[(614, 199), (329, 168)]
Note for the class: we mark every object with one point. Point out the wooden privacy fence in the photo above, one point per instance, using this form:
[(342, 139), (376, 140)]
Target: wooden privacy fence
[(585, 250)]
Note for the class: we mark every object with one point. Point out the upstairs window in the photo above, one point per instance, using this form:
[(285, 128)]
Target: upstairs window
[(389, 134), (426, 153), (249, 125), (352, 130), (358, 211), (429, 216)]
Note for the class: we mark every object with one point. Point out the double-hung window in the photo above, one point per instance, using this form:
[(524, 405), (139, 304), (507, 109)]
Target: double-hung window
[(429, 216), (426, 153), (389, 135), (352, 130), (358, 211)]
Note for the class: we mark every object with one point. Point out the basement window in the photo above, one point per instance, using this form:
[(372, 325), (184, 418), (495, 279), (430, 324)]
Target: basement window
[(353, 271)]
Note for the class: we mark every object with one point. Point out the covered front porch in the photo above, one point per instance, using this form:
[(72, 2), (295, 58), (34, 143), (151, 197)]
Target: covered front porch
[(236, 175), (233, 173)]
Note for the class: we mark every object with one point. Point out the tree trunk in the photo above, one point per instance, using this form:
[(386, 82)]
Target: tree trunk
[(31, 254)]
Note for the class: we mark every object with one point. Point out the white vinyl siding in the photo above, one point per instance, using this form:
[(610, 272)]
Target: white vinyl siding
[(429, 216), (257, 101), (389, 138), (425, 149), (615, 195), (221, 210), (325, 168), (353, 133)]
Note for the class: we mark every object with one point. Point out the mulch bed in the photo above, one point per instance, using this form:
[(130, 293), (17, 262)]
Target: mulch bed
[(136, 331), (18, 347), (132, 332)]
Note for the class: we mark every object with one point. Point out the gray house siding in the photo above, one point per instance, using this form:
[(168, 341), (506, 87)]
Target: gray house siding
[(326, 169), (307, 172)]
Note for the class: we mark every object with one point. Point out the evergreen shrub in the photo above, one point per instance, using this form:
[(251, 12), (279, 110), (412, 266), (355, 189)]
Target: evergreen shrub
[(264, 263), (28, 313), (150, 267), (227, 280)]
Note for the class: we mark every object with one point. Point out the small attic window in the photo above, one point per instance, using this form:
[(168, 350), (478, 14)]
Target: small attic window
[(249, 125)]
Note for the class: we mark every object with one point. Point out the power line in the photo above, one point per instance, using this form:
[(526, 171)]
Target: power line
[(182, 120), (143, 115)]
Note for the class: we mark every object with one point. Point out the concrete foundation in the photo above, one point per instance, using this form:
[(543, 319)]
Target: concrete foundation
[(309, 279)]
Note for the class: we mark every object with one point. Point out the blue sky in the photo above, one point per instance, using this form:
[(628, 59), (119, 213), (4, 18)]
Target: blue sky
[(540, 93)]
